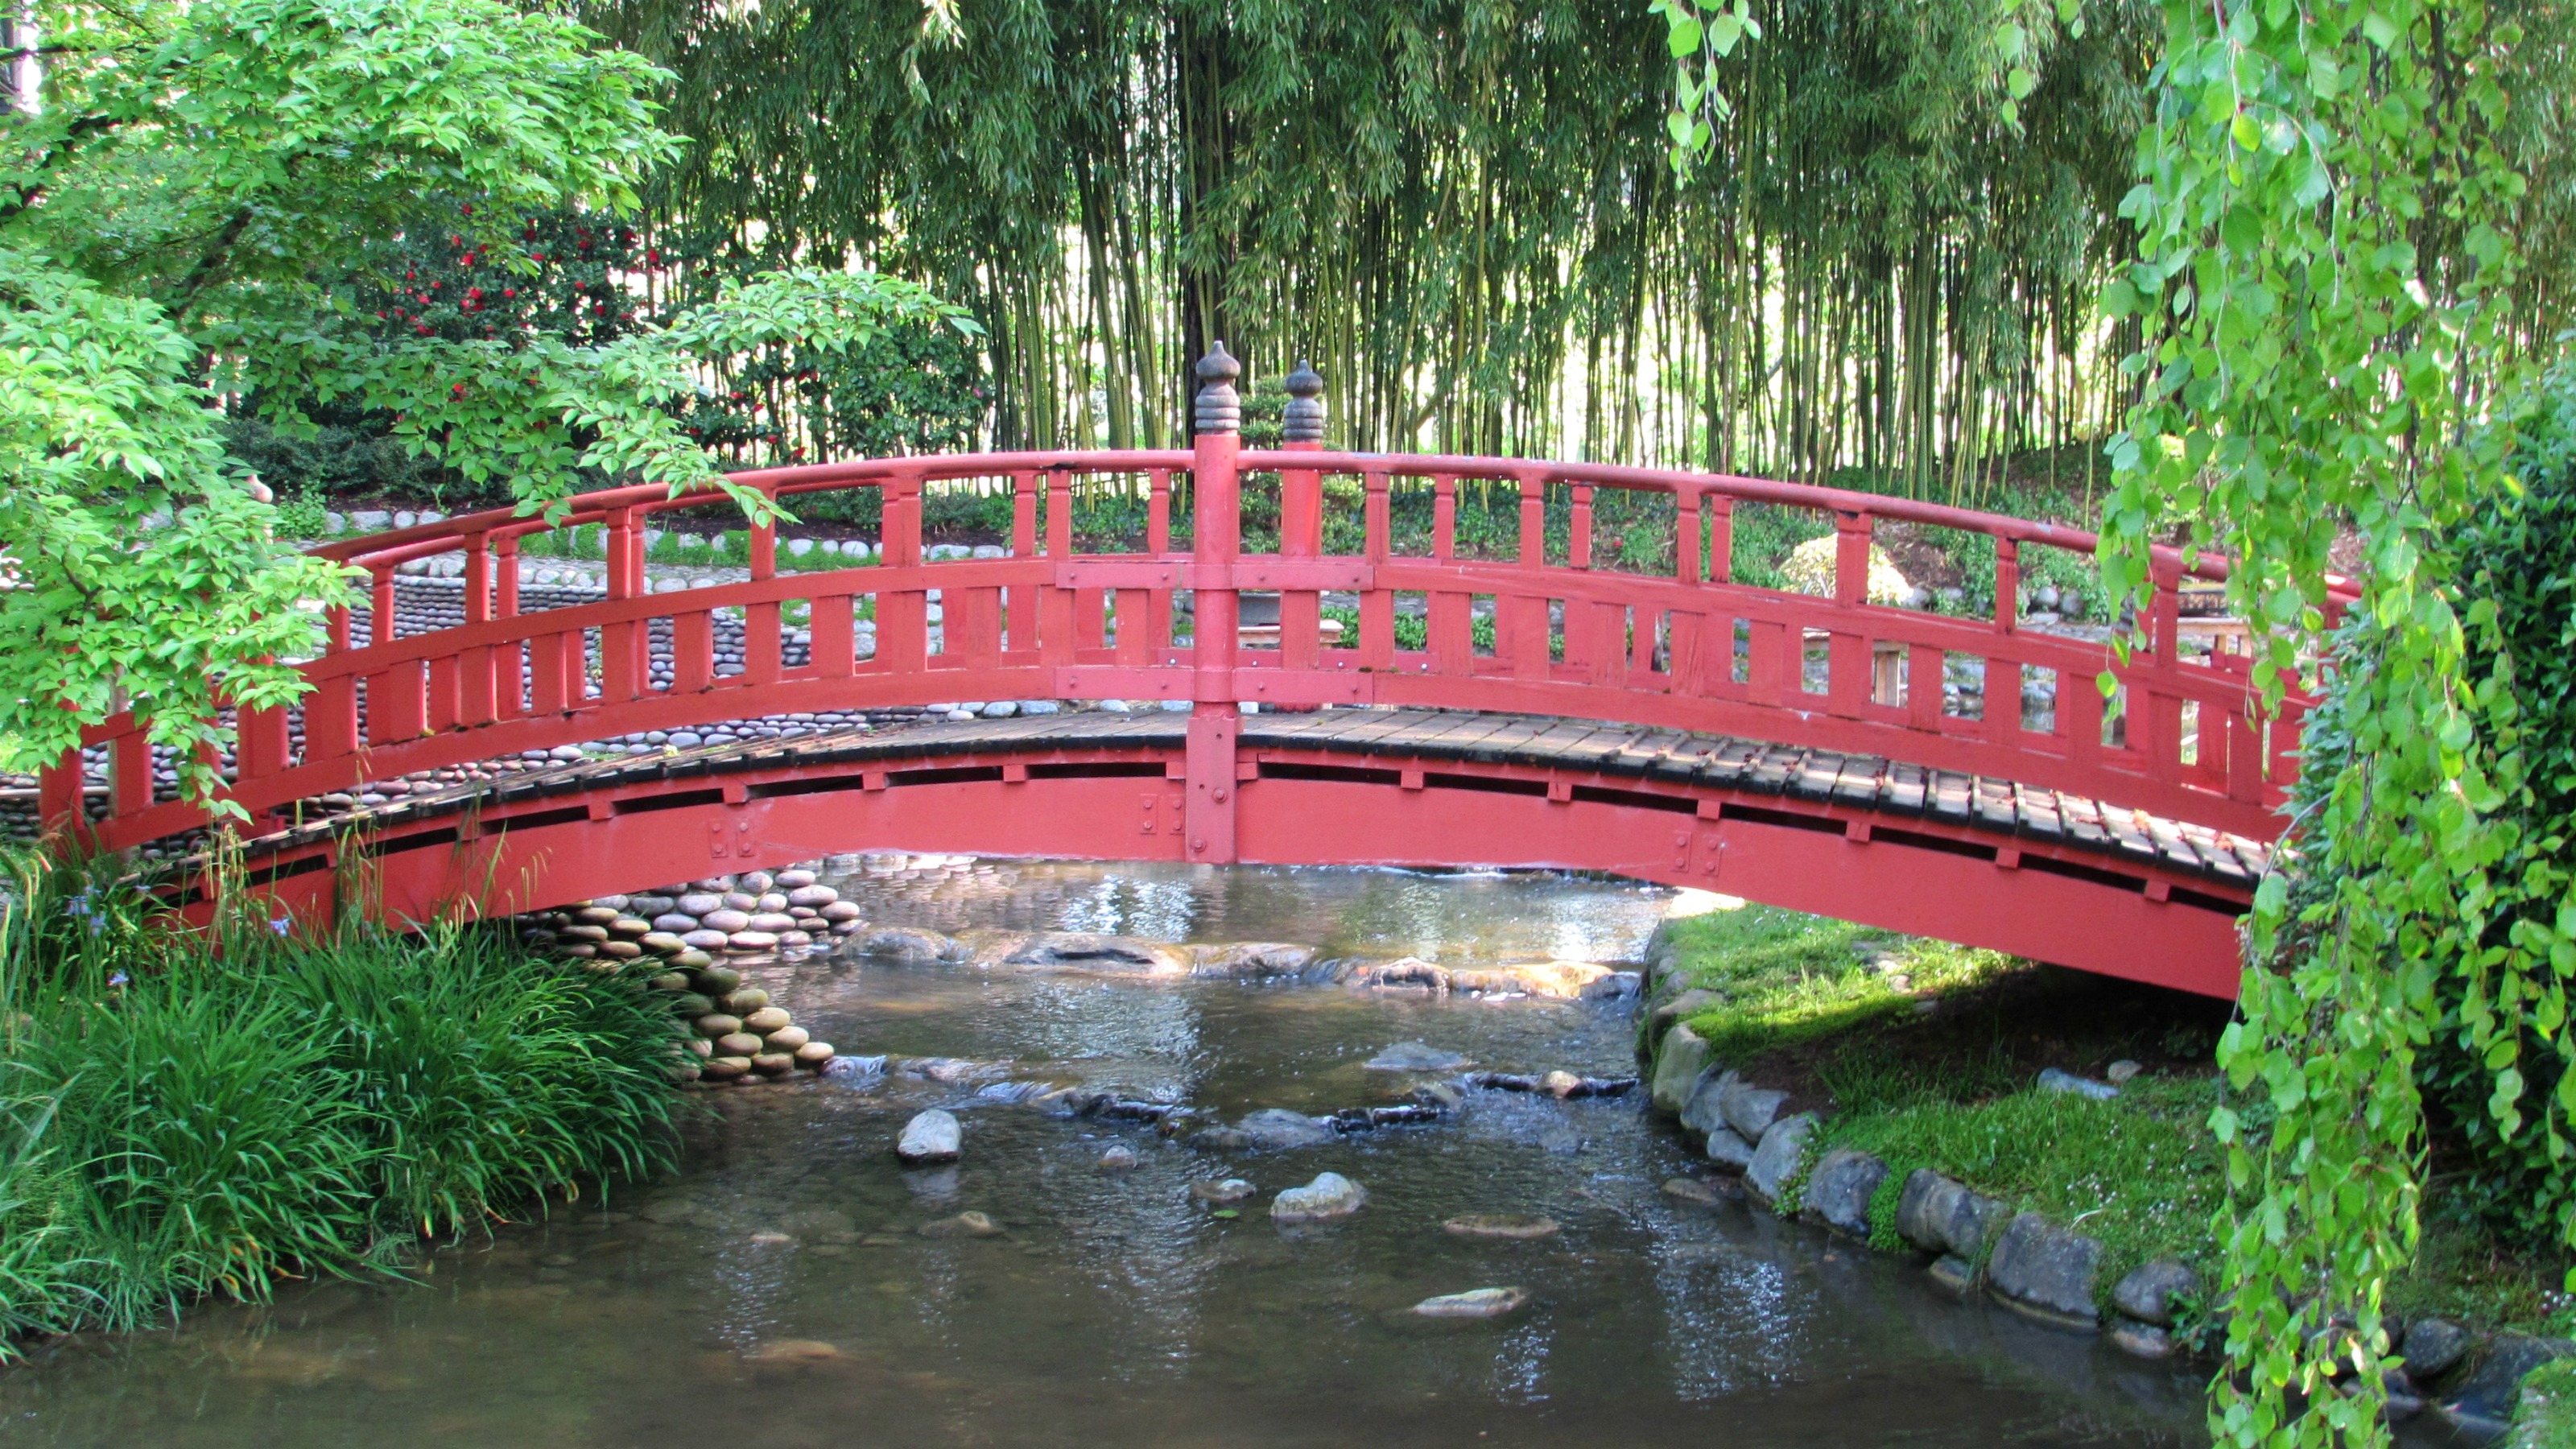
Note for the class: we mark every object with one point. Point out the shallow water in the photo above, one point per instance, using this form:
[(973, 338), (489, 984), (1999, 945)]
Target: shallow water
[(777, 1293)]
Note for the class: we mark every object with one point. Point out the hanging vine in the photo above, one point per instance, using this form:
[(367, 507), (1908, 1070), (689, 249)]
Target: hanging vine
[(2320, 199)]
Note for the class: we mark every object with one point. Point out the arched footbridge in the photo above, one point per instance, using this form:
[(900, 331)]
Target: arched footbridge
[(1556, 706)]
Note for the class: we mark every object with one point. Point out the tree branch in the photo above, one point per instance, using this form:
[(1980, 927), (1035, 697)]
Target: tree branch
[(55, 155), (209, 262)]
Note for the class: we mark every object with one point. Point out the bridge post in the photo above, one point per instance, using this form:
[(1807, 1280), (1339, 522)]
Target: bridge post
[(1217, 506)]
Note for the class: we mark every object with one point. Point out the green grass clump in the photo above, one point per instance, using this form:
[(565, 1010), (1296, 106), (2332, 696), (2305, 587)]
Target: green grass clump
[(185, 1114), (1788, 978), (2141, 1173), (2545, 1417)]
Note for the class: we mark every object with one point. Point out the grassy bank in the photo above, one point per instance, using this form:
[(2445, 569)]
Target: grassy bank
[(189, 1115), (1928, 1054)]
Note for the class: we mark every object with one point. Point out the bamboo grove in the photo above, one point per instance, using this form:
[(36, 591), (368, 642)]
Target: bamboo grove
[(1462, 210)]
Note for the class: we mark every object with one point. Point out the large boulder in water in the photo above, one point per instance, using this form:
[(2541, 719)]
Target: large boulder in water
[(1077, 951), (1250, 959), (1277, 1127), (1678, 1064), (1474, 1303), (1778, 1154), (933, 1136), (1839, 1188), (1414, 1056), (1565, 980), (2045, 1271), (1329, 1196), (911, 946)]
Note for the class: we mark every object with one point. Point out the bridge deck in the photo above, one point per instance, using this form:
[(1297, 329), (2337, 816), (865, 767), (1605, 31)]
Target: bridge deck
[(2043, 819)]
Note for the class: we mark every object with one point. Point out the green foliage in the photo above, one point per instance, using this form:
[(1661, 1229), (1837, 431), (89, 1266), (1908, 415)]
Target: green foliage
[(97, 435), (2496, 1069), (188, 216), (2324, 284), (1462, 210), (184, 1115)]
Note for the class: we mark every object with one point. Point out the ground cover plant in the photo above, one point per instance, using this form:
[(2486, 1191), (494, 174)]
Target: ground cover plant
[(184, 1115), (1836, 1014)]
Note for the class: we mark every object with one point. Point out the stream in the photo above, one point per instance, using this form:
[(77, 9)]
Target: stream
[(778, 1292)]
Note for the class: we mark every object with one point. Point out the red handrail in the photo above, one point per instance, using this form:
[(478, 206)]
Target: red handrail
[(1691, 649)]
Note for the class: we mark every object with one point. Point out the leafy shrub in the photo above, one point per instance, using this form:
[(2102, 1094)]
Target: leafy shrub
[(2517, 595)]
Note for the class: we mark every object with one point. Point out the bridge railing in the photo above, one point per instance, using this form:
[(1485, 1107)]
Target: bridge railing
[(1571, 633)]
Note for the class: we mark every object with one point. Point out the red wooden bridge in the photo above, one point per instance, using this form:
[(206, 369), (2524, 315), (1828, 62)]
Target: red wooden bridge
[(1677, 727)]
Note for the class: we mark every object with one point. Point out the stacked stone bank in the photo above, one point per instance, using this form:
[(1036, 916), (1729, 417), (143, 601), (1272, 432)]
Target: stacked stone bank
[(740, 1036)]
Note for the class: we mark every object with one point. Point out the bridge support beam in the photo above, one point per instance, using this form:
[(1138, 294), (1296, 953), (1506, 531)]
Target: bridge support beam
[(1209, 758)]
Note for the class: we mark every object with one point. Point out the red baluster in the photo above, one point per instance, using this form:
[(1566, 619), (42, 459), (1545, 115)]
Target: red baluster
[(1301, 519), (761, 643), (1067, 620), (620, 677), (1687, 543), (1377, 604), (902, 616)]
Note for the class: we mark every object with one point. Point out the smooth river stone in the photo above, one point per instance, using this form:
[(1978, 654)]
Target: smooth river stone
[(1414, 1056), (1329, 1196), (932, 1136), (705, 939), (1500, 1225), (1232, 1189), (740, 1044), (1277, 1127), (727, 919), (751, 941), (773, 921), (787, 1038), (718, 1023), (677, 923), (765, 1020), (699, 903), (792, 877), (817, 896), (969, 1224), (1474, 1303)]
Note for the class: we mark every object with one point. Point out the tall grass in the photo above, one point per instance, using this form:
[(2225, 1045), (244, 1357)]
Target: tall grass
[(192, 1113)]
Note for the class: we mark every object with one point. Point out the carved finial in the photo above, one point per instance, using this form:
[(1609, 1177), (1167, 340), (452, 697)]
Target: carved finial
[(1303, 421), (1218, 409)]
